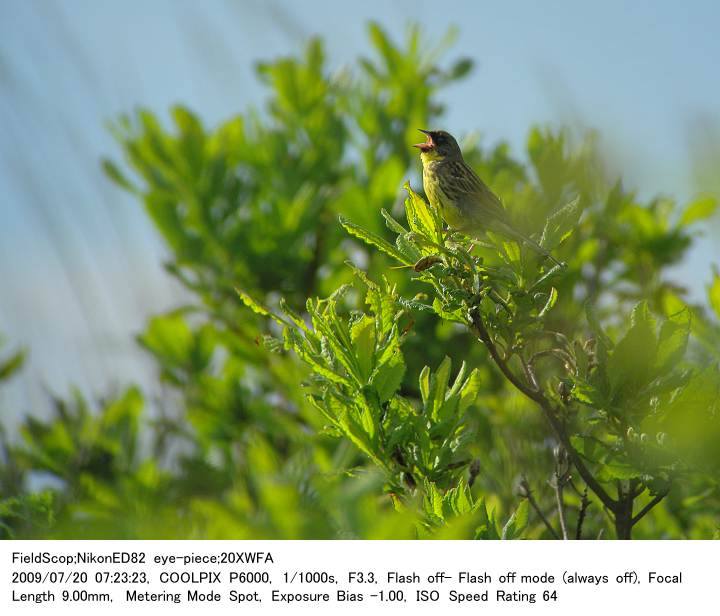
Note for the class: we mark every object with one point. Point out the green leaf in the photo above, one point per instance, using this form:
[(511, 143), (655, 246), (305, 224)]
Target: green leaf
[(470, 390), (374, 240), (363, 338), (552, 299), (169, 337), (594, 323), (714, 294), (672, 341), (617, 470), (700, 209), (351, 427), (258, 308), (561, 224), (393, 224), (293, 316), (294, 341), (510, 251), (438, 388), (425, 384), (433, 501), (458, 500), (517, 523), (114, 173), (456, 315), (421, 216), (408, 248), (461, 68), (336, 336), (388, 377), (382, 304), (12, 365), (631, 361)]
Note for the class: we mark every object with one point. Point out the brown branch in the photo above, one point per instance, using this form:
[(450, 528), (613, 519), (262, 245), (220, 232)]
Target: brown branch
[(648, 507), (527, 493), (549, 412), (584, 504)]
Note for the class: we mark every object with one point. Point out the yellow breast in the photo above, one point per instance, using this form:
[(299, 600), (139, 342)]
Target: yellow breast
[(438, 199)]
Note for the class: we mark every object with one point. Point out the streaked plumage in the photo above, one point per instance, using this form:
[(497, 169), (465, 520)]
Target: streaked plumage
[(464, 201)]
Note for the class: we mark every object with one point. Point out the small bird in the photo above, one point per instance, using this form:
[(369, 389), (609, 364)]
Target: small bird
[(462, 198)]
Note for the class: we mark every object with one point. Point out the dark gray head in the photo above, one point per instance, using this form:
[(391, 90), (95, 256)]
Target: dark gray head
[(439, 145)]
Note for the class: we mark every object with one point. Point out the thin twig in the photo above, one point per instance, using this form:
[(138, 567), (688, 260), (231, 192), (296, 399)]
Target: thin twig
[(533, 503), (648, 507), (584, 504), (558, 487), (537, 396)]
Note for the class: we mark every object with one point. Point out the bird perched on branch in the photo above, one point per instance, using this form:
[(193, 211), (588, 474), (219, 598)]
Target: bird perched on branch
[(462, 198)]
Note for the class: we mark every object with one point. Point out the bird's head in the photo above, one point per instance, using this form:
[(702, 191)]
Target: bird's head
[(439, 145)]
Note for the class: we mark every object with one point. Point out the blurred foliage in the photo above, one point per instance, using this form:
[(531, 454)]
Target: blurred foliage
[(378, 412)]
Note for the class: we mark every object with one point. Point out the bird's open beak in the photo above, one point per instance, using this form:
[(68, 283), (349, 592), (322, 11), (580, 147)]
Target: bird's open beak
[(427, 145)]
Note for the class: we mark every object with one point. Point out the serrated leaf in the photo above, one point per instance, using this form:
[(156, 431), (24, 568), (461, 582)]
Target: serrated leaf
[(517, 523), (258, 308), (560, 224), (337, 338), (374, 240), (421, 216), (408, 248), (292, 315), (383, 307), (631, 361), (672, 341), (438, 388), (433, 500), (367, 421), (470, 390), (511, 251), (456, 316), (425, 384), (363, 339), (617, 470), (391, 223), (294, 341), (351, 428), (388, 377), (595, 326)]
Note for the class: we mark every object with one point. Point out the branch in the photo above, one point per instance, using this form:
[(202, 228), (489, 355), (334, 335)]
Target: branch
[(537, 396), (648, 507), (527, 493), (584, 504), (482, 332), (557, 486)]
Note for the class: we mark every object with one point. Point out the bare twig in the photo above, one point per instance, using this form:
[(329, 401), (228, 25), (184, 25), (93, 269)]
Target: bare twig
[(648, 507), (584, 504), (527, 493), (558, 487)]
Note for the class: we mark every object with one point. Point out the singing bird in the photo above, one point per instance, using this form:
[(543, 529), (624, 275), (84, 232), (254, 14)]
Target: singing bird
[(462, 198)]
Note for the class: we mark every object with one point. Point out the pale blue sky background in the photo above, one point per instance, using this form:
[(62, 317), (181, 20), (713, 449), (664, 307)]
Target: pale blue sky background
[(79, 262)]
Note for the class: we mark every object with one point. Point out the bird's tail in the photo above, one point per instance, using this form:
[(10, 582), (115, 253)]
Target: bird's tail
[(516, 235)]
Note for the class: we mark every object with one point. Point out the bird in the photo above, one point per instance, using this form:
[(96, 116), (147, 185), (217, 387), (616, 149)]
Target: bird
[(464, 201)]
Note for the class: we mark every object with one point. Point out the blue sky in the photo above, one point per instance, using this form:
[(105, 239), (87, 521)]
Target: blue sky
[(80, 264)]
